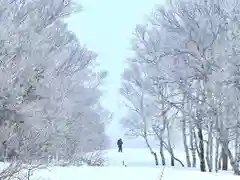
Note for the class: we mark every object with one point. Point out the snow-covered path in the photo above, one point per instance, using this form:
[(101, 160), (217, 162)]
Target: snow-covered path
[(131, 157), (139, 167)]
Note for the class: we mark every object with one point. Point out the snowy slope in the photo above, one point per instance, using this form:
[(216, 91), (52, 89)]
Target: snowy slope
[(131, 157), (140, 166), (137, 157), (129, 173)]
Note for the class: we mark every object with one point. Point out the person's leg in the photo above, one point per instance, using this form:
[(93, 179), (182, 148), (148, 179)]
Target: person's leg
[(120, 148)]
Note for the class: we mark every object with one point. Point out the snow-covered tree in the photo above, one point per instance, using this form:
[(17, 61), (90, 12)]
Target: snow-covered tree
[(191, 50), (50, 84), (139, 106)]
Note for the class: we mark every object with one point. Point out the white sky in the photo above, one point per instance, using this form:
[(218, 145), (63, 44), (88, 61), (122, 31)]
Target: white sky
[(106, 27)]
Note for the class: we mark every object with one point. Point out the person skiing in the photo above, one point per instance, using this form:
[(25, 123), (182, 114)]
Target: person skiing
[(119, 143)]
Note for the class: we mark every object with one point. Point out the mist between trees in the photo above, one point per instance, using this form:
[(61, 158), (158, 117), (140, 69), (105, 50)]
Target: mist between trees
[(49, 94), (184, 78)]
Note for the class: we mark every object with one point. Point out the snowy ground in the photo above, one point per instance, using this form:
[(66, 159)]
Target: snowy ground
[(130, 173), (139, 167), (134, 157)]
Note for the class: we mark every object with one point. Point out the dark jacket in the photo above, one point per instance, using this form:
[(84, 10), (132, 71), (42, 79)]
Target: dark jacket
[(119, 142)]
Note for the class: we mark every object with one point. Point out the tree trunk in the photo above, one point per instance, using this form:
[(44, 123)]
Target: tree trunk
[(172, 158), (193, 146), (209, 156), (201, 150), (217, 141), (199, 126), (151, 151), (230, 156), (161, 153), (170, 146), (185, 141), (172, 154), (220, 162), (161, 134), (145, 135), (155, 158), (237, 150), (216, 154), (172, 161), (224, 159), (5, 150)]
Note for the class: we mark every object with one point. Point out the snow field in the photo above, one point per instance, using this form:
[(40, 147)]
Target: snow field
[(140, 166)]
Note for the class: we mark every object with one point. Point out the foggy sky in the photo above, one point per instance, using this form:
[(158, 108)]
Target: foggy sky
[(106, 27)]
